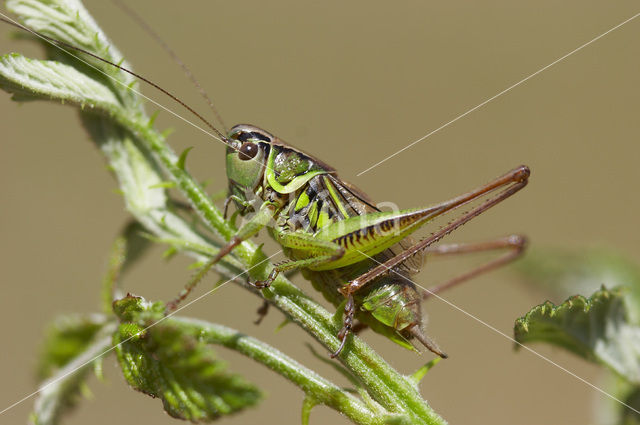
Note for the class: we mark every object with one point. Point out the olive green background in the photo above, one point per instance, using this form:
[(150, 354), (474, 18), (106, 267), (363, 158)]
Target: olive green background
[(351, 82)]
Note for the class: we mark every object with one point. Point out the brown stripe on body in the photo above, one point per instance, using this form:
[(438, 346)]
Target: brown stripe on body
[(398, 224)]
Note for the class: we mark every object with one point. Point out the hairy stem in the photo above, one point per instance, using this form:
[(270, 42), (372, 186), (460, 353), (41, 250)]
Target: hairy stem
[(315, 386)]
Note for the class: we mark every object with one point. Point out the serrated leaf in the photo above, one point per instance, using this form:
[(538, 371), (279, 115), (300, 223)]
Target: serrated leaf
[(61, 392), (169, 362), (564, 273), (595, 328), (40, 79), (69, 22), (65, 20)]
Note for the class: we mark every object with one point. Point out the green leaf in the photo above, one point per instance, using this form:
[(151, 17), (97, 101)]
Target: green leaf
[(69, 22), (39, 79), (73, 348), (65, 20), (135, 171), (166, 361), (595, 328), (564, 273)]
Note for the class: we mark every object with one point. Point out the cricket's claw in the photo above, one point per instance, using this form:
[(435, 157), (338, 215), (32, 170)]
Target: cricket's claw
[(522, 173), (343, 339), (349, 312), (261, 284)]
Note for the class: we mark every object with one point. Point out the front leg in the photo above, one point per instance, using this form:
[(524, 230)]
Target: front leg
[(254, 225), (317, 251)]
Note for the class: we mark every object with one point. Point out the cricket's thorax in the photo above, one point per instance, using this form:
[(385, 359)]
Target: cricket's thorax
[(322, 201)]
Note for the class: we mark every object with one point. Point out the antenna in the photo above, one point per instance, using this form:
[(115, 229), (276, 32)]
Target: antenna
[(63, 45), (185, 69)]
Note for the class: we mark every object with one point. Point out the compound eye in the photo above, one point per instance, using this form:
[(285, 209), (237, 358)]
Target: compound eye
[(248, 151)]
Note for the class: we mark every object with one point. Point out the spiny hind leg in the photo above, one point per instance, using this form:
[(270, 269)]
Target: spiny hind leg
[(349, 315), (513, 244), (508, 184)]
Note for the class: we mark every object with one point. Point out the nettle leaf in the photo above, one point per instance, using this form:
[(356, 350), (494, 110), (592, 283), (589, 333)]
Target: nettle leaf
[(65, 20), (168, 361), (74, 345), (29, 79), (596, 328), (564, 273), (69, 22)]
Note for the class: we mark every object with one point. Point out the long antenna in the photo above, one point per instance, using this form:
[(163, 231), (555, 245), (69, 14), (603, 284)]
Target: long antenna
[(185, 69), (63, 45)]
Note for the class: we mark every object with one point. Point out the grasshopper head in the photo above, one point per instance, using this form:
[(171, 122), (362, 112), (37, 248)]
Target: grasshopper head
[(247, 156)]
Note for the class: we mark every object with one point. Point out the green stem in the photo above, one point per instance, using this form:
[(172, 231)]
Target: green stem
[(315, 386)]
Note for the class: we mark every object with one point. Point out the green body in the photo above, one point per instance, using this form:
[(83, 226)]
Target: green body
[(328, 228)]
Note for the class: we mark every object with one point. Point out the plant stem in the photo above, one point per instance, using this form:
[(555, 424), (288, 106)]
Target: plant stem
[(315, 386)]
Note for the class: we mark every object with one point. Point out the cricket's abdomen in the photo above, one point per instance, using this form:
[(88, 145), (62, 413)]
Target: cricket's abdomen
[(390, 304)]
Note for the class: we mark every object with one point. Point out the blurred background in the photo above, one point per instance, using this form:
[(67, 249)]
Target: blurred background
[(351, 82)]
